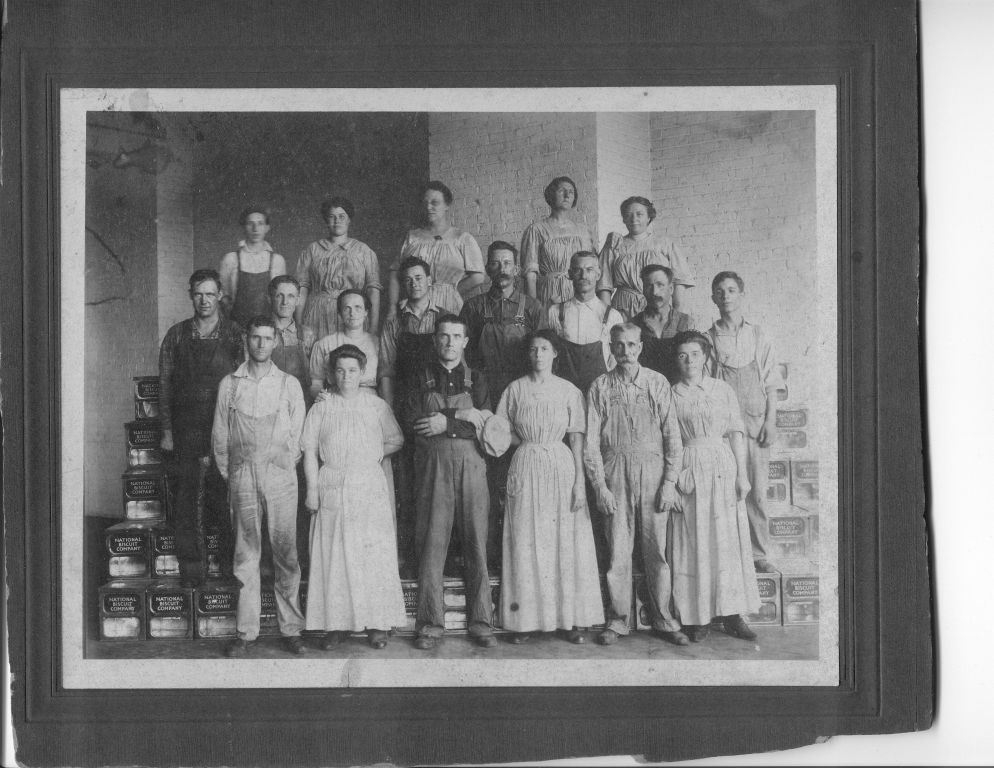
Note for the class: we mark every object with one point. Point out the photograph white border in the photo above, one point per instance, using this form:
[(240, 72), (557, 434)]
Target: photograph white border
[(82, 673)]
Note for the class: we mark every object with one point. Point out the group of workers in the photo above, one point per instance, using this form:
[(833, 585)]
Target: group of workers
[(558, 421)]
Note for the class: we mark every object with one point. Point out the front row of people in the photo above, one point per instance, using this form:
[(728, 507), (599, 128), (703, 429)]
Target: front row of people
[(667, 467)]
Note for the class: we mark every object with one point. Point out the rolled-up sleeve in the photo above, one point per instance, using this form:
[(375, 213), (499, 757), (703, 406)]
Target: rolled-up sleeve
[(303, 273), (529, 249), (472, 256), (372, 269), (678, 263), (607, 257), (766, 359)]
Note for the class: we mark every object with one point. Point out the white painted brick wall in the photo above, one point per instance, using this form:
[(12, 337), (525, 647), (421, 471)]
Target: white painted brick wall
[(497, 166), (623, 166), (737, 191), (174, 231)]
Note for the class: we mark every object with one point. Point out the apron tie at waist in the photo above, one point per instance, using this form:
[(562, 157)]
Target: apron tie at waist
[(704, 442), (646, 449)]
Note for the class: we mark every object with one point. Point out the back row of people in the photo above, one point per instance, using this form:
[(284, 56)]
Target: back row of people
[(337, 262)]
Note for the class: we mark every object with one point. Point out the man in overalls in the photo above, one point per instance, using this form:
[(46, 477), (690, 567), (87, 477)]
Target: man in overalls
[(194, 356), (660, 321), (256, 445), (443, 412), (584, 324), (406, 346), (632, 455), (746, 360), (246, 272), (498, 322)]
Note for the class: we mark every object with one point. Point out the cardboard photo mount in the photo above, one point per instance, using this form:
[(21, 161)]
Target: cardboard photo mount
[(867, 51)]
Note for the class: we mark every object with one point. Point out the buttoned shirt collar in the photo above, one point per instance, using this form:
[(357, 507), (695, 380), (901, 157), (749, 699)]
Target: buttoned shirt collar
[(265, 245), (639, 380), (242, 371), (496, 294), (431, 307)]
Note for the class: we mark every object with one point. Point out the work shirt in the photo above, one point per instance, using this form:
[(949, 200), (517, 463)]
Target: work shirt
[(274, 392), (448, 384), (405, 321), (742, 346), (225, 331), (584, 322), (635, 416)]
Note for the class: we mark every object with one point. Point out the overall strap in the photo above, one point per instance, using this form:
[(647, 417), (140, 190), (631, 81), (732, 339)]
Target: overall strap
[(519, 315), (467, 377), (562, 315)]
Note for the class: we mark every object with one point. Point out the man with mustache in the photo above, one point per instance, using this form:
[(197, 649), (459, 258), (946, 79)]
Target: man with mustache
[(498, 322), (660, 321), (632, 455), (584, 324)]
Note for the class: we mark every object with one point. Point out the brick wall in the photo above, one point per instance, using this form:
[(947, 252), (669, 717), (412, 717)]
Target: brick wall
[(120, 331), (737, 191), (497, 166), (291, 161), (624, 166)]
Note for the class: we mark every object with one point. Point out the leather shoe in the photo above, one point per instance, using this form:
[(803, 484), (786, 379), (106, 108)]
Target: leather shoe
[(576, 636), (736, 627), (486, 641), (377, 639), (294, 645), (607, 637), (425, 643), (677, 637), (764, 566), (237, 649)]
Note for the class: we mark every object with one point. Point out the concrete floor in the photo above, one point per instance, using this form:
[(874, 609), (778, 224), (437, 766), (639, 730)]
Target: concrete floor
[(773, 643)]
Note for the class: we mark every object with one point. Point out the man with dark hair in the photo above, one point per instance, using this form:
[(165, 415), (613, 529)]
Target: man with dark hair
[(660, 321), (443, 413), (743, 356), (256, 444), (406, 345), (194, 356), (293, 340), (246, 272)]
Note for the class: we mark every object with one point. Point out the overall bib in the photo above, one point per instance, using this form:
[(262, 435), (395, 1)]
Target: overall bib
[(633, 469), (293, 360), (504, 361), (451, 491), (752, 401), (581, 363), (262, 482), (251, 293), (200, 366)]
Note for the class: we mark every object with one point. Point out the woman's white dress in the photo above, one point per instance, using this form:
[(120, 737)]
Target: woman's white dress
[(549, 578), (711, 560), (354, 578)]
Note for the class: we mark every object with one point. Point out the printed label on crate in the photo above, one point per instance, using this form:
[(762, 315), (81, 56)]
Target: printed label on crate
[(767, 586), (792, 439), (217, 602), (168, 602), (143, 434), (122, 602), (792, 419), (787, 526), (147, 387), (776, 492), (126, 543), (163, 543), (141, 483), (778, 470), (800, 586)]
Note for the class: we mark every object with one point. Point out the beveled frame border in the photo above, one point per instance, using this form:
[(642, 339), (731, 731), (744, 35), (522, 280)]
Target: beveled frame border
[(886, 681)]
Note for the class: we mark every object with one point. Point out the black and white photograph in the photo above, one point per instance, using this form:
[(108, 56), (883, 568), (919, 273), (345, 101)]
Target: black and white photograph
[(627, 476)]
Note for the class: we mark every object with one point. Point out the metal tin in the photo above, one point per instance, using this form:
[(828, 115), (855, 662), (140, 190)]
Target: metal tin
[(146, 387), (801, 596), (122, 603), (770, 608), (791, 440), (212, 553), (127, 547), (216, 609), (146, 409), (168, 611), (144, 493), (162, 545), (454, 604), (778, 486), (143, 457), (788, 535), (804, 483), (143, 434), (269, 624), (792, 419)]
